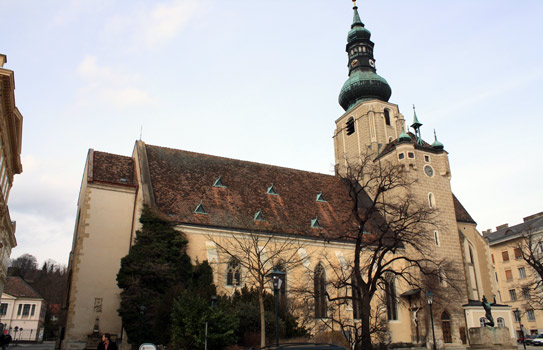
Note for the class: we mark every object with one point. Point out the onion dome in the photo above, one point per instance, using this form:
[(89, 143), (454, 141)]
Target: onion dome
[(437, 144), (404, 137), (363, 82)]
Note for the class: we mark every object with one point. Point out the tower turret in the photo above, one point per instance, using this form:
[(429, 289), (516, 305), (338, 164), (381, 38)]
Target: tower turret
[(363, 83)]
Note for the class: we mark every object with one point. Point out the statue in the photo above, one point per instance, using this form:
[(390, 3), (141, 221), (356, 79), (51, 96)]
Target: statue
[(488, 315)]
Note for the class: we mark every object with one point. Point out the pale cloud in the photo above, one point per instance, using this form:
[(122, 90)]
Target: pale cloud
[(74, 9), (108, 85), (153, 27)]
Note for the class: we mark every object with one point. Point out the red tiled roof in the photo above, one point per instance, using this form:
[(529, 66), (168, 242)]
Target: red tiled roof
[(181, 180), (112, 169), (17, 287), (461, 213)]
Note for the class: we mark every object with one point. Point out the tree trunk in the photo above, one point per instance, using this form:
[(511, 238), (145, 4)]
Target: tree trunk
[(365, 342), (262, 319)]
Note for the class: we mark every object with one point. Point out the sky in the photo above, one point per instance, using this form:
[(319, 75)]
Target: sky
[(259, 81)]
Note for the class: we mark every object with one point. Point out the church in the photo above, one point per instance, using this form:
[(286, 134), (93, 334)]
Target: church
[(210, 198)]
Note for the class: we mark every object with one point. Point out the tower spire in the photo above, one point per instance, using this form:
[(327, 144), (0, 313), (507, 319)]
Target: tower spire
[(363, 83), (416, 125)]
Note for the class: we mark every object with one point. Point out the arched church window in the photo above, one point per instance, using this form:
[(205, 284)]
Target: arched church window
[(387, 117), (350, 126), (446, 327), (320, 291), (391, 301), (233, 273), (500, 322), (471, 260), (431, 200)]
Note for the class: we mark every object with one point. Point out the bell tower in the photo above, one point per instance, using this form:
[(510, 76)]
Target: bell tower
[(370, 122)]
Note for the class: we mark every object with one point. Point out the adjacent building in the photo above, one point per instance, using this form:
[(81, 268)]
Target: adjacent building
[(11, 128), (22, 311), (514, 276), (207, 196)]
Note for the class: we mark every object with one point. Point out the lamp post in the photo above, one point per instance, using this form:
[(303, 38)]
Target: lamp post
[(277, 280), (517, 316), (213, 300), (430, 300)]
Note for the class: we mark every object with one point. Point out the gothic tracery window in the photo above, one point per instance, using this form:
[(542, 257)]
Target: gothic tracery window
[(391, 301), (233, 273), (320, 291)]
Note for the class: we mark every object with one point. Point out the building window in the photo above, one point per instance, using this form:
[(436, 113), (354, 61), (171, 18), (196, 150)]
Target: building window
[(482, 322), (518, 253), (505, 256), (501, 322), (26, 309), (387, 117), (3, 309), (411, 154), (436, 238), (531, 315), (521, 272), (492, 256), (401, 156), (508, 275), (526, 293), (350, 126), (431, 200), (19, 309), (471, 260), (512, 294), (446, 327), (320, 292), (233, 273), (33, 310), (427, 159), (392, 302)]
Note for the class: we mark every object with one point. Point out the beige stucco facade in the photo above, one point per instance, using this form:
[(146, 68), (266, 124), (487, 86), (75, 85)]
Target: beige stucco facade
[(514, 277), (102, 236), (11, 124), (24, 317)]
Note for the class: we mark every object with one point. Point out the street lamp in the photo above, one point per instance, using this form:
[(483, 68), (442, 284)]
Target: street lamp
[(517, 316), (213, 300), (430, 300), (277, 279)]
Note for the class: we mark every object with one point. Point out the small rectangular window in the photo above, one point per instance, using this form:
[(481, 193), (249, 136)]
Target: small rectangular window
[(492, 256), (26, 309), (526, 293), (508, 275), (427, 159), (411, 154), (531, 315), (505, 256), (518, 253), (3, 309), (19, 309), (401, 156), (436, 238), (521, 272), (512, 294), (33, 310)]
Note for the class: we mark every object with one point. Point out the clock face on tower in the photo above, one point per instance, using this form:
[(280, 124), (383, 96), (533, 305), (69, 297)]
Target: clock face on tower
[(372, 63), (429, 171)]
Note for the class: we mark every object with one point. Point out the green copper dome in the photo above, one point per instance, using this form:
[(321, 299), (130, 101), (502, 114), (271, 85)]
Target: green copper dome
[(363, 82), (361, 86), (437, 144), (404, 137)]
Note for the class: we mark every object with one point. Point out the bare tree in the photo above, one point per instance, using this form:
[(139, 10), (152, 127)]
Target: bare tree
[(258, 254), (531, 250), (391, 244)]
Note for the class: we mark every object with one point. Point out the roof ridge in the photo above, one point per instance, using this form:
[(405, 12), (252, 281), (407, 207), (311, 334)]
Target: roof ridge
[(239, 160)]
